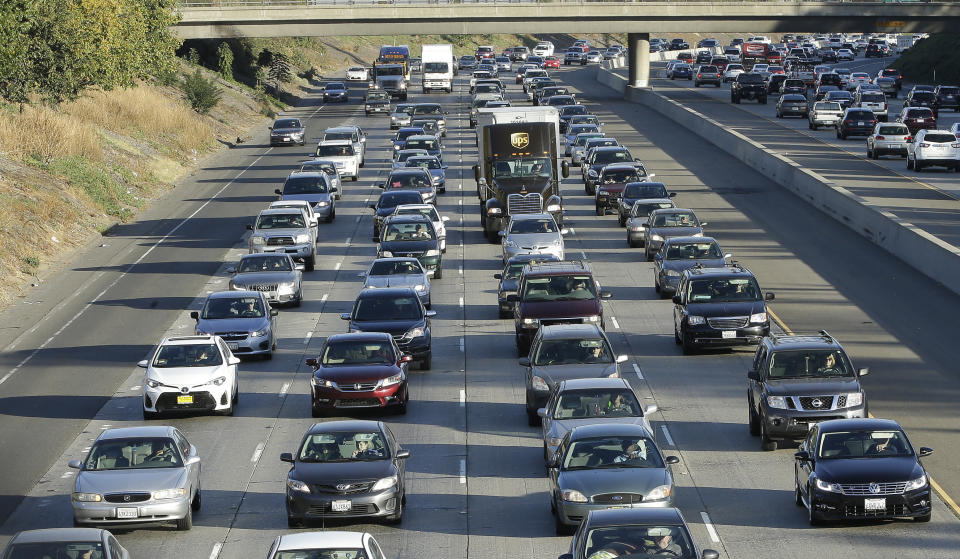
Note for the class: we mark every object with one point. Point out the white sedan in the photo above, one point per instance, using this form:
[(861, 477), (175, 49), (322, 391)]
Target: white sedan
[(357, 73), (333, 544), (190, 374)]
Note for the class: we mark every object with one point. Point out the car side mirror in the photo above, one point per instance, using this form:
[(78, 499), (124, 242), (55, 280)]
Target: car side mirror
[(476, 173), (403, 454), (431, 314), (372, 207), (709, 554), (298, 266), (286, 457), (406, 358), (542, 412), (195, 315), (652, 408), (249, 227), (564, 231), (753, 374), (274, 312), (727, 255), (554, 462), (512, 298), (231, 270), (524, 361), (863, 371), (925, 451), (672, 460), (75, 464), (233, 360), (704, 223), (802, 456), (142, 364), (192, 460), (643, 226), (269, 127), (769, 296), (605, 295), (278, 192), (676, 299), (344, 316), (622, 358)]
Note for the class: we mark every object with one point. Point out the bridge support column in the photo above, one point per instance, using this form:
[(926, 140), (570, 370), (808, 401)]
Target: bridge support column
[(638, 60)]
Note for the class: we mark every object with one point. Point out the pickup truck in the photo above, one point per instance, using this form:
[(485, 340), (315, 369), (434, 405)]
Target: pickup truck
[(748, 86)]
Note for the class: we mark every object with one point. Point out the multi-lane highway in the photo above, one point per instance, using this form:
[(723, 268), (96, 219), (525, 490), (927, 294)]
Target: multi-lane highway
[(476, 482)]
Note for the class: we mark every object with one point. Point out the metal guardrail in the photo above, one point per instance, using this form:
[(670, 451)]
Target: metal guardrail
[(282, 3)]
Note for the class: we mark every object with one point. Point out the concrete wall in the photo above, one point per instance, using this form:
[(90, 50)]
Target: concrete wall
[(924, 252)]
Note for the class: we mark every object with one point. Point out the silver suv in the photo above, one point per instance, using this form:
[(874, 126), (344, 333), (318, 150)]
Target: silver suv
[(284, 230), (242, 319)]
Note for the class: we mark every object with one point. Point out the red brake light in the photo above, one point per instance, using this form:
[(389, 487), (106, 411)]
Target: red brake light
[(880, 138)]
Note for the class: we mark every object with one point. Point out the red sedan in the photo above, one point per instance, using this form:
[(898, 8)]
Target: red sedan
[(551, 62)]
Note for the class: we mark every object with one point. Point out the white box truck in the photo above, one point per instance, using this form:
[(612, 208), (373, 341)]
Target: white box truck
[(438, 67)]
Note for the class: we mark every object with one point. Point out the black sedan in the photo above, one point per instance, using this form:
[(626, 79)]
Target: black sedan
[(792, 104), (398, 312), (388, 202), (335, 91), (852, 469), (650, 532), (346, 469), (642, 190)]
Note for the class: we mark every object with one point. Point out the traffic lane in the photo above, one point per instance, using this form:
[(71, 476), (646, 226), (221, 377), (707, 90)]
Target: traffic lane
[(826, 277)]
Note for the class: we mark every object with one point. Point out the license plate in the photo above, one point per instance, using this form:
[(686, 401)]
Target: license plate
[(131, 513), (896, 145), (859, 123), (233, 346), (729, 334), (874, 504), (187, 399), (796, 108), (286, 139), (345, 506)]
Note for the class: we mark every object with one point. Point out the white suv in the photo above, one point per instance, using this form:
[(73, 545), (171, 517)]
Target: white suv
[(190, 373), (875, 101), (933, 148), (344, 156), (544, 48)]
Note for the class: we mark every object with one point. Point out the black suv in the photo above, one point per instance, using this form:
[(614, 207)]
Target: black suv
[(799, 380), (719, 307), (748, 86), (948, 97)]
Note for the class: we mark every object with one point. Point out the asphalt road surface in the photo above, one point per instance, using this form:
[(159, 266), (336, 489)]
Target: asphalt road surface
[(476, 481)]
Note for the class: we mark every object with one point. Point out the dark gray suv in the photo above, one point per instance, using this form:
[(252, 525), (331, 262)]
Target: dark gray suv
[(707, 74)]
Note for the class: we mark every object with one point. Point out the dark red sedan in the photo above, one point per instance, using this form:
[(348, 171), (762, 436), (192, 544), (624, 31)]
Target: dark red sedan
[(363, 370)]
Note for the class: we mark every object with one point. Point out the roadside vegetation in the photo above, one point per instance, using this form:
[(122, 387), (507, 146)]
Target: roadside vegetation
[(933, 60)]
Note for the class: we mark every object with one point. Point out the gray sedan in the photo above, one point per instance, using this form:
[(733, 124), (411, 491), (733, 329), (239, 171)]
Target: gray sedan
[(666, 223), (608, 466), (586, 401), (681, 253), (275, 275), (398, 272), (243, 319), (137, 475), (532, 234), (637, 218), (64, 543)]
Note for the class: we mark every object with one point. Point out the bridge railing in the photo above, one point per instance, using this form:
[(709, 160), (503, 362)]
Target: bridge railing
[(253, 3)]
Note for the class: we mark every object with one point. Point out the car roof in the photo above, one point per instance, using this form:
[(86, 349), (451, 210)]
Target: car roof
[(307, 174), (558, 268), (671, 210), (417, 206), (283, 204), (592, 384), (231, 294), (427, 157), (565, 331), (651, 200), (862, 423), (422, 137), (326, 539), (625, 166), (361, 336), (138, 431), (394, 259), (409, 218), (187, 340), (407, 171), (609, 429), (335, 143), (280, 211), (387, 292), (719, 271), (817, 340), (344, 128), (678, 240), (618, 517), (58, 535)]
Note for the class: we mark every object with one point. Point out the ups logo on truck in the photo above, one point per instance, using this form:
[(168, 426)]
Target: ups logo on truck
[(520, 140)]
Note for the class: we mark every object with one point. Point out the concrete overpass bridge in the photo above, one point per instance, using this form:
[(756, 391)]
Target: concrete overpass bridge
[(205, 19)]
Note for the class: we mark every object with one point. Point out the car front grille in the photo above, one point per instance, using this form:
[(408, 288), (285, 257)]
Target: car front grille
[(279, 241), (524, 204), (232, 336), (126, 497), (352, 488), (857, 511), (728, 322), (618, 498), (809, 402), (357, 387), (359, 403), (201, 401), (882, 488), (408, 254), (551, 321), (326, 509)]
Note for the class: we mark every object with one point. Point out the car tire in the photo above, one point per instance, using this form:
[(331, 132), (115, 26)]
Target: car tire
[(797, 496), (438, 274), (402, 408), (197, 501), (561, 528), (766, 443), (688, 347), (622, 221), (184, 524), (228, 412), (316, 412), (752, 420), (696, 84), (150, 415), (870, 154), (398, 517), (813, 517), (503, 314), (656, 284), (917, 166), (333, 215), (909, 163), (293, 522), (426, 362), (299, 299), (631, 244), (647, 254), (717, 84), (599, 210), (779, 115), (354, 178)]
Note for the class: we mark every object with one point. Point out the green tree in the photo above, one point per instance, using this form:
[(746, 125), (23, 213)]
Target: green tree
[(193, 56), (202, 94), (225, 61), (280, 72)]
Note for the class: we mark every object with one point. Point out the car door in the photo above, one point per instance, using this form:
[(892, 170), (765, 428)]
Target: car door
[(395, 447), (553, 471), (804, 469), (756, 386), (658, 259), (547, 421), (678, 308), (188, 451)]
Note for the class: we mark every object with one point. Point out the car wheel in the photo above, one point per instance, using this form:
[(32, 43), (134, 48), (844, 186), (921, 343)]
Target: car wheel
[(622, 221), (917, 166), (186, 522), (600, 211), (870, 154), (150, 415), (197, 501), (779, 115), (812, 515), (227, 411), (561, 528), (402, 408), (298, 299), (687, 346), (293, 522), (631, 244), (396, 518), (426, 362), (438, 274), (717, 84), (752, 420), (766, 443), (316, 412), (696, 84), (647, 253), (333, 215), (656, 283), (504, 314), (797, 496), (909, 163)]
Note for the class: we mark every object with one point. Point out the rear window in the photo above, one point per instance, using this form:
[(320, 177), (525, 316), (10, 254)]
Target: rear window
[(923, 96), (894, 130), (949, 90), (940, 138), (873, 98), (709, 69), (919, 113), (860, 115)]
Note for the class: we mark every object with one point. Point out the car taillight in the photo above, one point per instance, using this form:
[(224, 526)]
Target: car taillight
[(880, 138), (699, 76), (908, 138), (848, 122), (955, 146)]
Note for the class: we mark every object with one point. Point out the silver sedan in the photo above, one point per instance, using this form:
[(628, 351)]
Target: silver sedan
[(276, 275), (532, 234), (137, 475), (398, 272)]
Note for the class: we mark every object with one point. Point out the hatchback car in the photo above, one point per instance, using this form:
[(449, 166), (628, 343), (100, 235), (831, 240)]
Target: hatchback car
[(242, 319), (888, 139), (189, 374), (921, 98), (681, 71), (398, 272), (948, 97), (359, 370), (643, 532), (509, 278), (670, 222), (641, 190), (607, 466), (707, 74), (411, 235), (137, 475), (312, 187), (324, 166), (857, 469), (275, 275), (387, 204), (286, 131), (427, 142), (65, 543), (792, 104), (398, 312), (430, 212), (637, 218), (933, 148), (335, 91), (433, 165), (856, 122), (532, 234), (682, 253), (346, 469)]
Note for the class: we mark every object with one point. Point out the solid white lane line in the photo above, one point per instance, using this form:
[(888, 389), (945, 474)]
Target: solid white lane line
[(306, 339), (463, 471), (257, 452), (666, 435), (463, 398), (283, 390), (460, 269), (324, 298), (714, 537), (616, 324), (636, 369), (137, 387), (348, 240), (337, 265), (215, 552)]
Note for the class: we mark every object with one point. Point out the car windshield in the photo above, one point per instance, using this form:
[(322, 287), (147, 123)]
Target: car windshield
[(639, 541), (542, 225), (676, 219), (645, 190), (265, 264), (522, 167), (843, 95), (423, 143), (430, 163), (614, 176), (612, 452), (611, 156), (408, 180), (427, 110), (342, 446), (306, 185), (643, 209), (580, 128), (734, 67), (406, 133), (287, 123), (429, 212), (864, 444), (405, 109), (387, 308), (584, 119), (56, 550), (335, 150), (559, 288), (723, 290), (408, 232), (188, 355), (810, 363), (599, 142), (573, 352), (395, 267), (234, 307), (281, 221), (692, 251), (583, 137), (586, 404), (923, 96), (351, 352), (394, 199), (131, 454), (378, 96), (403, 155), (573, 110)]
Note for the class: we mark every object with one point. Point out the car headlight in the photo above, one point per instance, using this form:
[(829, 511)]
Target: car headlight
[(671, 273), (592, 174), (494, 211), (258, 333), (420, 287), (386, 254), (827, 486), (539, 384), (553, 208), (393, 117), (510, 244), (403, 85), (573, 496), (918, 483), (169, 493), (153, 383), (554, 441), (396, 146), (593, 318), (302, 238), (854, 399), (322, 204), (414, 332), (384, 483), (758, 318), (87, 497), (390, 381), (286, 285), (694, 320), (432, 252), (656, 238), (257, 240), (778, 402), (322, 382), (636, 229), (297, 485), (659, 493), (531, 322)]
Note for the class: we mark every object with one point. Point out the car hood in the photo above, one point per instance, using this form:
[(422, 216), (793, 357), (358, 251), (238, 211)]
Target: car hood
[(612, 186), (332, 473), (395, 280), (559, 427), (357, 373), (280, 232), (675, 231), (258, 278), (554, 374), (312, 198), (408, 246), (741, 308), (812, 386), (866, 470), (187, 376), (535, 239), (232, 324), (681, 265), (287, 130), (560, 309), (597, 481), (393, 327), (122, 481)]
